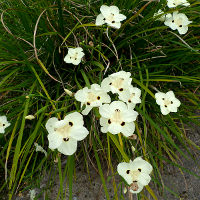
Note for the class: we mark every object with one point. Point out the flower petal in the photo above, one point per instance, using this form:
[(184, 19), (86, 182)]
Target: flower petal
[(67, 59), (128, 129), (76, 62), (55, 140), (142, 164), (105, 84), (104, 124), (79, 50), (121, 169), (81, 95), (50, 125), (2, 130), (74, 117), (170, 94), (105, 110), (172, 108), (183, 30), (116, 25), (79, 133), (121, 17), (129, 115), (114, 10), (100, 20), (164, 110), (144, 179), (87, 110), (118, 105), (160, 96), (131, 106), (105, 10), (69, 147), (114, 128)]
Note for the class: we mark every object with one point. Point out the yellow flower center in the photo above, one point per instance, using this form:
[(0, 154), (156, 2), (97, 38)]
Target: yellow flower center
[(134, 175), (118, 82), (1, 125), (178, 21), (111, 18), (91, 97), (74, 56), (116, 117), (167, 102), (64, 130)]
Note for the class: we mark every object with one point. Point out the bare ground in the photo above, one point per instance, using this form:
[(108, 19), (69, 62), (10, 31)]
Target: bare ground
[(186, 186)]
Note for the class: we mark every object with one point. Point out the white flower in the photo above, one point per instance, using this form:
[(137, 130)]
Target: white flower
[(117, 82), (174, 3), (136, 173), (163, 17), (178, 21), (30, 117), (64, 134), (111, 16), (93, 97), (3, 124), (131, 96), (74, 55), (39, 148), (116, 118), (168, 102), (32, 194)]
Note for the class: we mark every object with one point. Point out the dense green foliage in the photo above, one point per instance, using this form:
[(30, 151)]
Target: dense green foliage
[(34, 36)]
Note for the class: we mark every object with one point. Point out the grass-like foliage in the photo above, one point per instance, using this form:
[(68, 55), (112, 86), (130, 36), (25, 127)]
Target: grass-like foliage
[(34, 37)]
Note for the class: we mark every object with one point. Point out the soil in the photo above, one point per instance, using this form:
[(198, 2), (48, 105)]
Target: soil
[(186, 186)]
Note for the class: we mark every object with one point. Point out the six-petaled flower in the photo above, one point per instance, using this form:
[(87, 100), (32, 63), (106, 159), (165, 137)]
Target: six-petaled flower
[(64, 134), (117, 82), (111, 16), (168, 102), (131, 96), (117, 117), (74, 55), (136, 173), (178, 21), (175, 3), (93, 97), (162, 16)]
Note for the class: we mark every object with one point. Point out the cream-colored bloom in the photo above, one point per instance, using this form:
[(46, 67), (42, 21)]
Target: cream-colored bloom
[(64, 134), (111, 16), (168, 102), (174, 3), (162, 17), (3, 124), (117, 82), (116, 118), (30, 117), (32, 194), (93, 97), (131, 96), (74, 55), (136, 173), (178, 21)]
